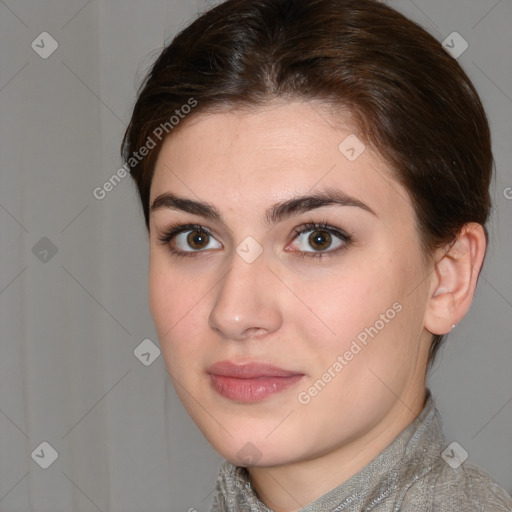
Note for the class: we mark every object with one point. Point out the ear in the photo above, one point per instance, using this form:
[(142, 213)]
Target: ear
[(454, 279)]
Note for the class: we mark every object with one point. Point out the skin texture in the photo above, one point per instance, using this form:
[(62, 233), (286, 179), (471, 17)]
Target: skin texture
[(293, 311)]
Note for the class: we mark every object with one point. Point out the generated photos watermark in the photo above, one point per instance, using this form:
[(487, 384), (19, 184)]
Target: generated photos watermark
[(356, 346), (158, 133)]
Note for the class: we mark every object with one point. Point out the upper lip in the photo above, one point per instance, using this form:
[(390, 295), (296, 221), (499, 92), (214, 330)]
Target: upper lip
[(248, 370)]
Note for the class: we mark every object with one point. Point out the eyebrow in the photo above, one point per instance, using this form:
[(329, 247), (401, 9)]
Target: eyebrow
[(276, 213)]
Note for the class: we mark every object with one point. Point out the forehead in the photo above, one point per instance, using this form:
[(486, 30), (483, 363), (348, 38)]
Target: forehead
[(240, 160)]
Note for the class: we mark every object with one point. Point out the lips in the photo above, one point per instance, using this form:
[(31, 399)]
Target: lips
[(250, 382)]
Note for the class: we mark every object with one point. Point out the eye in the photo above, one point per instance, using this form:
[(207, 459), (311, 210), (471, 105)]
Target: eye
[(187, 239), (321, 238)]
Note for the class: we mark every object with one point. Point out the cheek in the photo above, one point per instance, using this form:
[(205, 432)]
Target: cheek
[(371, 344), (178, 302), (364, 312), (161, 300), (344, 303), (171, 297)]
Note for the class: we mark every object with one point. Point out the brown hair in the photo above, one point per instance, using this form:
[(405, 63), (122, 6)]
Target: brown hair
[(410, 100)]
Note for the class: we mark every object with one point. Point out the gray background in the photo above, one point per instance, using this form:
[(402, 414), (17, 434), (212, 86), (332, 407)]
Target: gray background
[(70, 321)]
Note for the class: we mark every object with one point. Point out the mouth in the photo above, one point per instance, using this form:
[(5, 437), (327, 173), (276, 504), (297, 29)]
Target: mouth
[(250, 382)]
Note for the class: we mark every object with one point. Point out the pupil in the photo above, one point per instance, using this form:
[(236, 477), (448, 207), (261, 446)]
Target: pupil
[(320, 239)]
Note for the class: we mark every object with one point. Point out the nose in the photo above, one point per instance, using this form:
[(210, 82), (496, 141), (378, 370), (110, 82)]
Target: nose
[(246, 305)]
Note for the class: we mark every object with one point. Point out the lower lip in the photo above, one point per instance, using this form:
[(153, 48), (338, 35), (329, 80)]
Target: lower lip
[(252, 390)]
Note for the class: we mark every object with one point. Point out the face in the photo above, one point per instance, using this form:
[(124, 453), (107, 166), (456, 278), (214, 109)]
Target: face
[(290, 327)]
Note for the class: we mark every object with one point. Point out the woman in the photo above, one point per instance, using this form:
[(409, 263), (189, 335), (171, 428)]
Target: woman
[(314, 177)]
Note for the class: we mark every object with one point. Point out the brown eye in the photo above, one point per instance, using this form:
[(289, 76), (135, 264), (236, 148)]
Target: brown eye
[(190, 239), (320, 240), (198, 239)]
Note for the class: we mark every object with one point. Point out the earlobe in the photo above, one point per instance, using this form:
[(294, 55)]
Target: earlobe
[(454, 279)]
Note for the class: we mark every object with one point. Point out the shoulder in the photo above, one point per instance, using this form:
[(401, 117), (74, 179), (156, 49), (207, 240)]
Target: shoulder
[(467, 488)]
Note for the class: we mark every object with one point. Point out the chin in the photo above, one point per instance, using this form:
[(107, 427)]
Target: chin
[(245, 448), (255, 455)]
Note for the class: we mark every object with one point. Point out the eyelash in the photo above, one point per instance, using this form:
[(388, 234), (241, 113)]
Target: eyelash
[(176, 229)]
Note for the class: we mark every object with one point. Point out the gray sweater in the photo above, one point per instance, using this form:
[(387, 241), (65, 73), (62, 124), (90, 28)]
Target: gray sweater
[(417, 472)]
